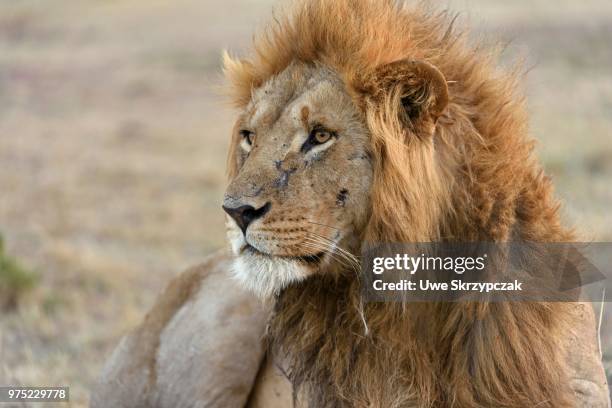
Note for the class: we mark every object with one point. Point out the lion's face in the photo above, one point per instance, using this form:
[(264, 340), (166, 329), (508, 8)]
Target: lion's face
[(300, 196)]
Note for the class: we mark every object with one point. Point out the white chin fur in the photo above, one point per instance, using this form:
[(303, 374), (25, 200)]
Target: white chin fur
[(261, 274), (266, 276)]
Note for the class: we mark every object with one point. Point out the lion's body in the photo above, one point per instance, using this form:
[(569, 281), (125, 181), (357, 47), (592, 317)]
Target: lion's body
[(432, 139), (208, 351)]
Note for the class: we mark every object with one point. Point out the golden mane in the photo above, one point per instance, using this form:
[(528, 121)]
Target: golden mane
[(480, 183)]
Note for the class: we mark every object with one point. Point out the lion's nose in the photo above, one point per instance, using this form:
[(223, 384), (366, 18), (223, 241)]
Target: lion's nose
[(245, 214)]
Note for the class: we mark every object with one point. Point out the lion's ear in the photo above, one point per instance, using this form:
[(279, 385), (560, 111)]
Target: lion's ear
[(414, 91)]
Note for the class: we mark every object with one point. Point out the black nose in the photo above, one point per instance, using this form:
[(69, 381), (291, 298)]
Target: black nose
[(245, 214)]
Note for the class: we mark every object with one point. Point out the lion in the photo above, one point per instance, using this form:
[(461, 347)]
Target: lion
[(363, 121)]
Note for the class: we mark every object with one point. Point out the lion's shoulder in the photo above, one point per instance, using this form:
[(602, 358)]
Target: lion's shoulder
[(201, 321)]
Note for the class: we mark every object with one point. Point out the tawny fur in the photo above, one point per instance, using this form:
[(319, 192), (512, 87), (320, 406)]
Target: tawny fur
[(475, 180)]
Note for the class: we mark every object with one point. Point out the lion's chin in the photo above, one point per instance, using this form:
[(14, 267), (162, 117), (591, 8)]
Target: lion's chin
[(266, 275)]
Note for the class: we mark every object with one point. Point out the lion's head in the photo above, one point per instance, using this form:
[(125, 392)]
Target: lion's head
[(300, 198), (308, 151)]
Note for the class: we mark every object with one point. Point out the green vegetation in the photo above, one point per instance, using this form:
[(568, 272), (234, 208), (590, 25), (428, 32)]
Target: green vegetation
[(14, 280)]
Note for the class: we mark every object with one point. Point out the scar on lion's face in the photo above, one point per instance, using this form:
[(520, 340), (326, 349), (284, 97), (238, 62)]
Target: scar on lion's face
[(300, 193)]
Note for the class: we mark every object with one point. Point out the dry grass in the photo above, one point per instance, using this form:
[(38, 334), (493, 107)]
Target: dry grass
[(112, 145)]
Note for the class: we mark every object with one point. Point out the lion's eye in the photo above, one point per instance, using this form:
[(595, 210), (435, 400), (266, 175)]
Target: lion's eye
[(248, 136), (320, 136)]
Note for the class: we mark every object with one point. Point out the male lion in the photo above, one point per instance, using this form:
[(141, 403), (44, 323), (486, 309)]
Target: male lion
[(363, 120)]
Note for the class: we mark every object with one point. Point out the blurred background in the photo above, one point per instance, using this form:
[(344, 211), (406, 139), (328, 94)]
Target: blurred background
[(113, 136)]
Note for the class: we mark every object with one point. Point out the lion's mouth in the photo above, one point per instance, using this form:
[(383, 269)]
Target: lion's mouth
[(314, 259)]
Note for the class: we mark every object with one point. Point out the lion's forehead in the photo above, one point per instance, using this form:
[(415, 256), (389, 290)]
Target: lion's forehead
[(281, 100)]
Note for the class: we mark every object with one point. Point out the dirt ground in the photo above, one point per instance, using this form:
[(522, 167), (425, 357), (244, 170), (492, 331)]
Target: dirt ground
[(112, 151)]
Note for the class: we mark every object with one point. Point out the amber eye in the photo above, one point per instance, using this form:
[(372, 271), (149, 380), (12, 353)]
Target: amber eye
[(320, 136), (248, 136)]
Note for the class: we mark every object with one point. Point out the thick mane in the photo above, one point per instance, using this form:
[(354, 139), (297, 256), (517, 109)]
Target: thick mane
[(475, 180)]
